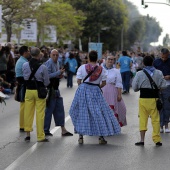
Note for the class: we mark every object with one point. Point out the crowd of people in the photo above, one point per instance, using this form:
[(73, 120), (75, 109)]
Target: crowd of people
[(98, 108)]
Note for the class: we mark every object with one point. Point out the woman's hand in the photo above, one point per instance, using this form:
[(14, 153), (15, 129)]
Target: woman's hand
[(119, 98)]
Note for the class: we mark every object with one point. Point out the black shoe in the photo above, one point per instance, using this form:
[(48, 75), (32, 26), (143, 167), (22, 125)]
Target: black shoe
[(44, 140), (21, 129), (48, 134), (27, 138), (139, 143), (124, 92), (102, 141), (67, 134), (158, 144)]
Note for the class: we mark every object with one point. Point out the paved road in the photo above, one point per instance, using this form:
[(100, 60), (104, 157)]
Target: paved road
[(64, 153)]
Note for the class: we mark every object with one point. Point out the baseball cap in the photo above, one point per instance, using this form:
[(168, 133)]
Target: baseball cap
[(164, 51)]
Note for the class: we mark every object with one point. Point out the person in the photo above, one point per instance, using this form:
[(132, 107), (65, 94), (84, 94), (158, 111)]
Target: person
[(4, 57), (78, 59), (89, 111), (163, 64), (71, 70), (55, 105), (11, 48), (147, 100), (32, 101), (139, 62), (24, 54), (10, 75), (125, 64), (112, 91)]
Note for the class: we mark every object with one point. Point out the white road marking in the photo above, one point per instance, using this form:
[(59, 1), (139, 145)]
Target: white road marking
[(26, 154)]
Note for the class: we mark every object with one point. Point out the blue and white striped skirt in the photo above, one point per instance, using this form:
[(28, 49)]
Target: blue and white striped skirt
[(90, 113)]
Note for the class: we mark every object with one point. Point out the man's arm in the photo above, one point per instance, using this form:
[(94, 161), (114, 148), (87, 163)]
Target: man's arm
[(135, 83), (52, 73)]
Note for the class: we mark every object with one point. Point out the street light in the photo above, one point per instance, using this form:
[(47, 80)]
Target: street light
[(145, 6), (103, 29)]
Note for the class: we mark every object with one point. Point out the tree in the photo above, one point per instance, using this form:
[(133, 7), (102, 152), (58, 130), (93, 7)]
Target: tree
[(100, 14), (166, 41), (152, 32), (143, 29), (62, 15), (14, 11)]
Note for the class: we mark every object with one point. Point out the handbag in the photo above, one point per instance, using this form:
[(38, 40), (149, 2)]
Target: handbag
[(20, 93), (42, 91), (159, 103)]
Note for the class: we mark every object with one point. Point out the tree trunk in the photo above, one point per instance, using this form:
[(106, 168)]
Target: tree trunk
[(8, 26)]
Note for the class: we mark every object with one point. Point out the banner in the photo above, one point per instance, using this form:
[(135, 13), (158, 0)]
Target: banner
[(30, 30), (96, 47), (50, 33)]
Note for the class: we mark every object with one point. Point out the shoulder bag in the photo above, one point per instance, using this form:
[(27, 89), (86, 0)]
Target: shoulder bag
[(42, 91), (159, 103)]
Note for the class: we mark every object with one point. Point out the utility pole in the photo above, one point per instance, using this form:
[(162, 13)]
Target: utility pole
[(122, 30), (99, 37), (42, 30)]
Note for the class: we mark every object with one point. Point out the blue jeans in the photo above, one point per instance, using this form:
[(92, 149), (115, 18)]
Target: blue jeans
[(55, 107), (70, 79), (7, 91), (165, 112), (126, 80)]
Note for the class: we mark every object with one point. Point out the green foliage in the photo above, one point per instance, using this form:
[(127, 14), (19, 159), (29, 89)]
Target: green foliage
[(14, 11), (101, 14), (166, 41), (143, 29), (58, 13), (85, 19), (63, 16)]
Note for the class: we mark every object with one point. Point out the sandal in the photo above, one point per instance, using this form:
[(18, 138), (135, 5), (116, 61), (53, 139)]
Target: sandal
[(80, 141), (102, 141)]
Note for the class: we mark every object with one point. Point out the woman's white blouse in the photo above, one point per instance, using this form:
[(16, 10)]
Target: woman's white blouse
[(114, 77), (81, 74)]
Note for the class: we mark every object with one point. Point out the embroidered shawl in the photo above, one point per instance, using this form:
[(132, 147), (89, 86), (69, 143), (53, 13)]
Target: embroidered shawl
[(96, 74)]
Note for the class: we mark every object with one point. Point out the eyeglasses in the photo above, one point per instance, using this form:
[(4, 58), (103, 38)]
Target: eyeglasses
[(55, 54), (110, 59)]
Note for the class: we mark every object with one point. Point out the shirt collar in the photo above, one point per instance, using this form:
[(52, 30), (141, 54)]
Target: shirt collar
[(24, 58), (104, 65)]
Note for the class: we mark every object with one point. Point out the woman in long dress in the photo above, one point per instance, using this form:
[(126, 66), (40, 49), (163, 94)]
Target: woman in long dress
[(90, 113), (112, 91)]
